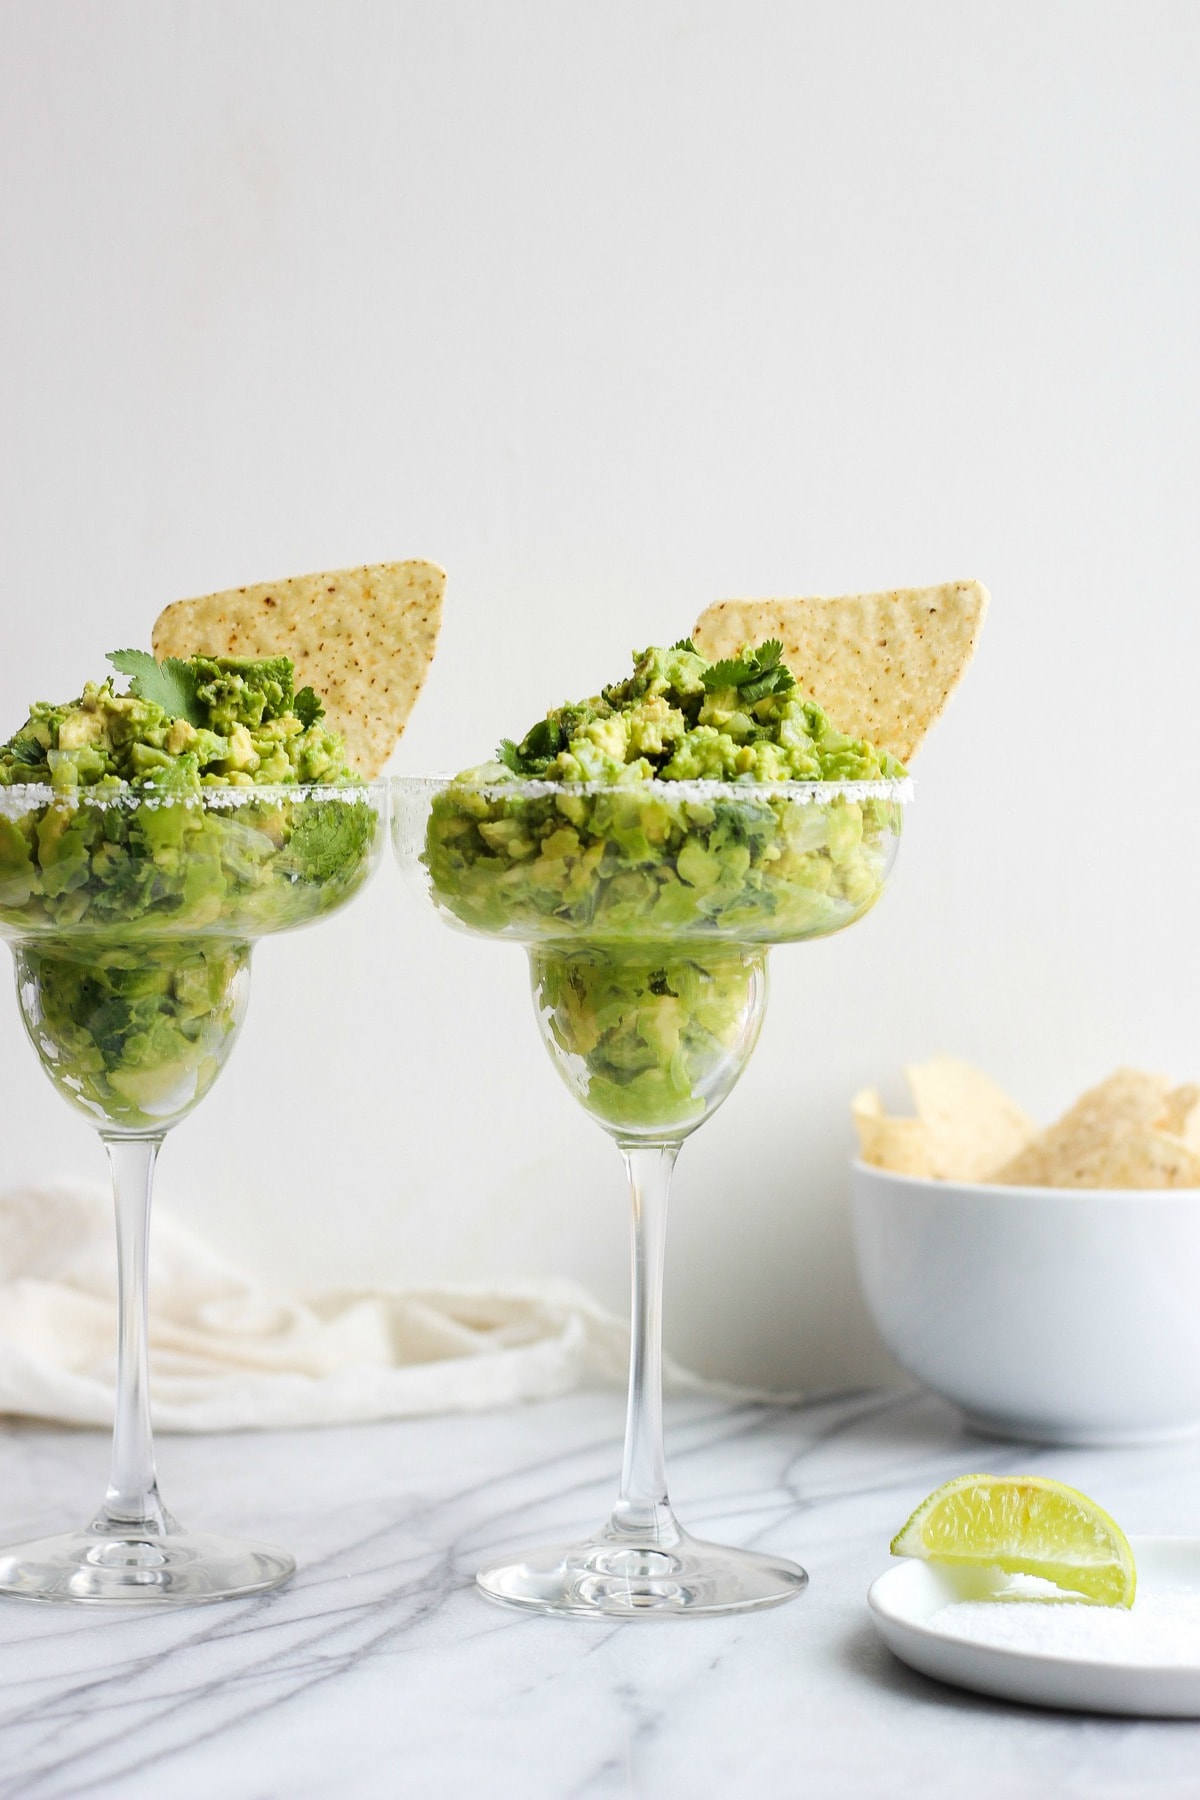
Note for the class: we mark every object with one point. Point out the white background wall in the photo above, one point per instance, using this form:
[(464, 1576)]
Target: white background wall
[(615, 310)]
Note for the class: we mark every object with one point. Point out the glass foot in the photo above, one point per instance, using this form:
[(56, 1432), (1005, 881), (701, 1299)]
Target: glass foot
[(132, 1567), (616, 1579)]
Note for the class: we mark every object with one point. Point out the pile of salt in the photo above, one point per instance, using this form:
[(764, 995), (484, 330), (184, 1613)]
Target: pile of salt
[(1161, 1630)]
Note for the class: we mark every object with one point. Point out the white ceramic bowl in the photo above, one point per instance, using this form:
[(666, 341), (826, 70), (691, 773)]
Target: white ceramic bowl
[(1050, 1314)]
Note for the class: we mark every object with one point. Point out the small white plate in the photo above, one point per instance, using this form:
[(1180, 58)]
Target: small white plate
[(904, 1600)]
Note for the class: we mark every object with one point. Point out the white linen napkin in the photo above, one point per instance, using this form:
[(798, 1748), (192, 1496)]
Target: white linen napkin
[(228, 1355)]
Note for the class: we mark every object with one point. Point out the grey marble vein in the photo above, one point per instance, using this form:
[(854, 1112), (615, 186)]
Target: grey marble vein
[(380, 1672)]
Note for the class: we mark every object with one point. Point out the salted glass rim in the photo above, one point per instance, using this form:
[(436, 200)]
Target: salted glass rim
[(23, 797), (898, 789)]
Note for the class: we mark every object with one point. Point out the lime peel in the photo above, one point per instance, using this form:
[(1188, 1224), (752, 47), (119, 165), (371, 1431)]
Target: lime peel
[(1024, 1525)]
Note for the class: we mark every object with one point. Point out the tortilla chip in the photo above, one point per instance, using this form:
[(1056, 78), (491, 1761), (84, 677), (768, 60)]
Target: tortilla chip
[(362, 638), (972, 1124), (901, 1145), (882, 666), (1180, 1116), (1138, 1159), (1133, 1131), (1065, 1154)]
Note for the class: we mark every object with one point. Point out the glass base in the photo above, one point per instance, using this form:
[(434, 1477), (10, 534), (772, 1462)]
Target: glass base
[(132, 1567), (614, 1578)]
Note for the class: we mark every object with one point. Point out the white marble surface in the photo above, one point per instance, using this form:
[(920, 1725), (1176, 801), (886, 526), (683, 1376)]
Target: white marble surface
[(380, 1672)]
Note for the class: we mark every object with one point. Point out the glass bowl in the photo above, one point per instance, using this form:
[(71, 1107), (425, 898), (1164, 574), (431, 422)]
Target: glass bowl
[(651, 861), (131, 912)]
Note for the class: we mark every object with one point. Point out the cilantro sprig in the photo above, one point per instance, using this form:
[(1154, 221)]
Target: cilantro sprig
[(755, 673), (170, 684)]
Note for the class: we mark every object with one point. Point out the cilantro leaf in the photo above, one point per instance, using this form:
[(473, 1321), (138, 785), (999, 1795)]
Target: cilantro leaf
[(134, 663), (510, 755), (686, 644), (775, 683), (26, 751), (728, 673), (755, 673), (173, 685), (307, 707)]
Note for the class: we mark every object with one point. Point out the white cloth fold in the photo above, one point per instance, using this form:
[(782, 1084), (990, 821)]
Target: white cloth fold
[(228, 1355)]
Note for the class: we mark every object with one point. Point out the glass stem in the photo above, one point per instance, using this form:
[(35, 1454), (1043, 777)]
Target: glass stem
[(132, 1498), (643, 1509)]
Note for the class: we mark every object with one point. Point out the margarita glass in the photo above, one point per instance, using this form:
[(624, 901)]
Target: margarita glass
[(647, 909), (130, 914)]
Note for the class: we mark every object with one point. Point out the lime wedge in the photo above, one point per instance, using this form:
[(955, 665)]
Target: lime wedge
[(1024, 1525)]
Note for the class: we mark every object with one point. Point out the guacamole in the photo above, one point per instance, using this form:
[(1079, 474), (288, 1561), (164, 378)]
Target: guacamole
[(605, 820), (133, 1036), (146, 838), (207, 722), (679, 718), (682, 807), (642, 1040)]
